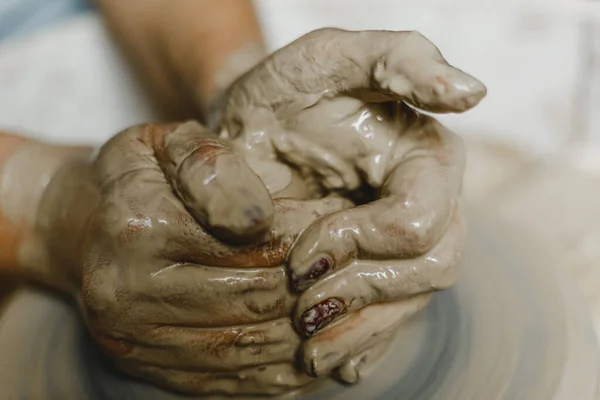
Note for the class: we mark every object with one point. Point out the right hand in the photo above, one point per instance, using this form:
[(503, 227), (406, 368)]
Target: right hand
[(336, 105), (160, 293)]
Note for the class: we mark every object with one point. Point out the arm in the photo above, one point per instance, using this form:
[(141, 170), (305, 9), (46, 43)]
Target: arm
[(186, 51), (27, 168)]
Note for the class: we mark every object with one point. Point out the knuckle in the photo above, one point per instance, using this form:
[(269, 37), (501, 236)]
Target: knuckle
[(132, 138), (133, 228), (415, 39), (409, 225), (415, 35), (420, 232), (128, 220), (135, 131), (325, 32), (153, 135)]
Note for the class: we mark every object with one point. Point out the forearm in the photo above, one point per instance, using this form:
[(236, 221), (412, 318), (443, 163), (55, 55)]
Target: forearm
[(186, 50), (27, 168)]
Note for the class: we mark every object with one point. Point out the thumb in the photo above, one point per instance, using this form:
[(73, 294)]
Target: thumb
[(217, 187)]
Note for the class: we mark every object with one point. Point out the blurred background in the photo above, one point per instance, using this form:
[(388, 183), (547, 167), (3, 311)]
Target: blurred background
[(533, 143)]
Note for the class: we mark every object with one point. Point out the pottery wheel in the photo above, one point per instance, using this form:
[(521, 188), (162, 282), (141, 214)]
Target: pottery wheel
[(510, 329)]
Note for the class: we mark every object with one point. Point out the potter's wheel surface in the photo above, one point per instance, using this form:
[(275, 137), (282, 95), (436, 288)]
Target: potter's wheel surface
[(511, 329)]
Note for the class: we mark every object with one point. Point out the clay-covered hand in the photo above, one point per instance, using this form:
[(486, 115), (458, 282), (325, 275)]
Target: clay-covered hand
[(334, 104), (161, 294)]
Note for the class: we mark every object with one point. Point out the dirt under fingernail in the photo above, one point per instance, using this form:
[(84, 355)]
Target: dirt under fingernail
[(321, 314), (319, 268), (316, 270)]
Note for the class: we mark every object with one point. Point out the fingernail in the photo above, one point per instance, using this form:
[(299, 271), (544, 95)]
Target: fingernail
[(468, 89), (321, 314), (316, 270), (319, 267)]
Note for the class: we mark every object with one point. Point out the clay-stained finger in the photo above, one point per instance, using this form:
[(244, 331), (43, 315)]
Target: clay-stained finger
[(206, 296), (359, 331), (362, 283), (205, 349), (379, 65), (410, 217), (187, 243), (124, 154), (261, 380), (216, 185)]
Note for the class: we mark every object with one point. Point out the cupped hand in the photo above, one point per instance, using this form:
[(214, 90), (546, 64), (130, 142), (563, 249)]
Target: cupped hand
[(166, 298), (342, 108)]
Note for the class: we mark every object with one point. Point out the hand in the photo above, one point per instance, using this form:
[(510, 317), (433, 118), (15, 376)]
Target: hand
[(161, 294), (333, 103)]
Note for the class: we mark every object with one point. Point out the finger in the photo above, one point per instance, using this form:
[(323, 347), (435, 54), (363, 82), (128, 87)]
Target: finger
[(187, 243), (337, 344), (212, 349), (367, 282), (377, 65), (217, 187), (413, 212), (413, 69), (205, 296), (263, 380)]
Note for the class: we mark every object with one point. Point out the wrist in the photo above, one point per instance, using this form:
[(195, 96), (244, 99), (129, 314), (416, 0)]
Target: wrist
[(26, 177), (210, 46), (211, 84), (64, 210)]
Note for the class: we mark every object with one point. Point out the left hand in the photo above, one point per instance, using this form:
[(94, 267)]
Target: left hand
[(333, 103), (130, 234)]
